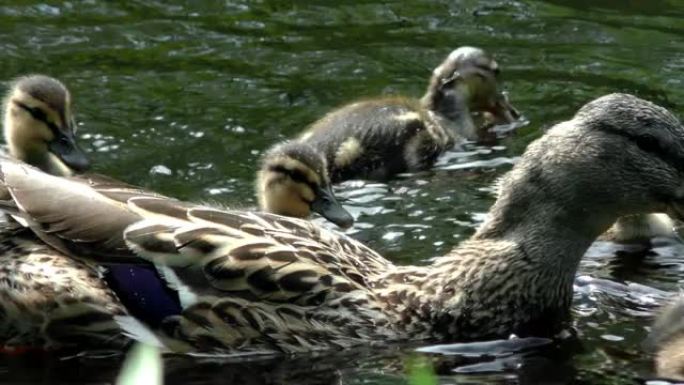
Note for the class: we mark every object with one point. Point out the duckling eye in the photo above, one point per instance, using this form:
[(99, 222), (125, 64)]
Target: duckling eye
[(648, 143), (491, 68), (295, 175), (36, 113)]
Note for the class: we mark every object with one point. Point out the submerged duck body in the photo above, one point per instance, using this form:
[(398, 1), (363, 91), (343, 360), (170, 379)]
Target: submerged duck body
[(251, 282), (382, 137)]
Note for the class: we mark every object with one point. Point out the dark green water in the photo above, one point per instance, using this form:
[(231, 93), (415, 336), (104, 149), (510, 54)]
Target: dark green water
[(183, 98)]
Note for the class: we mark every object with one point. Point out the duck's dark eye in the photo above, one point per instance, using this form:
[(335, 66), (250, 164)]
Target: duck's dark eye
[(38, 114), (648, 143), (35, 112), (487, 69), (294, 174)]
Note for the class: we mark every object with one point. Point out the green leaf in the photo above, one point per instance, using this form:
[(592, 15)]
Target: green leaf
[(143, 366), (421, 372)]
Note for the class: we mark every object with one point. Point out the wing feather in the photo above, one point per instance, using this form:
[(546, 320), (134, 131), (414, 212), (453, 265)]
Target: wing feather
[(286, 260)]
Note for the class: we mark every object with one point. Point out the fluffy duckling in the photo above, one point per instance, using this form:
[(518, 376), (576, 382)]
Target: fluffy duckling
[(293, 181), (39, 126), (667, 341), (379, 138), (641, 229), (257, 282), (46, 299)]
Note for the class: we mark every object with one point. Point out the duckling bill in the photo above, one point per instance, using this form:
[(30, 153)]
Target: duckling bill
[(376, 139)]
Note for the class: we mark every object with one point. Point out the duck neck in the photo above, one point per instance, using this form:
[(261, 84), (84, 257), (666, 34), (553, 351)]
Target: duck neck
[(551, 232), (516, 274), (448, 108)]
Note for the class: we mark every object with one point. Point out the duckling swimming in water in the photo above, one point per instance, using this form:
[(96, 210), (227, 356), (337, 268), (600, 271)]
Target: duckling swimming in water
[(379, 138), (666, 340), (262, 283), (642, 229), (293, 181)]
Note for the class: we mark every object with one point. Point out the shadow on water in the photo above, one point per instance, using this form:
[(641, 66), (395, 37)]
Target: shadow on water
[(183, 97)]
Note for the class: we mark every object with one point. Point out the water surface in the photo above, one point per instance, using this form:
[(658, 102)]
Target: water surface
[(182, 97)]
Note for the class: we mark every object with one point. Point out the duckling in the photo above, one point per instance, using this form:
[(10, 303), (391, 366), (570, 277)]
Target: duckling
[(261, 283), (379, 138), (293, 181), (47, 300), (39, 126), (666, 339), (641, 229)]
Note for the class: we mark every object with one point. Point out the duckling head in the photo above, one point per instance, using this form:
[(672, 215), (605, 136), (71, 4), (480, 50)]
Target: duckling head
[(39, 126), (666, 340), (294, 181), (466, 82)]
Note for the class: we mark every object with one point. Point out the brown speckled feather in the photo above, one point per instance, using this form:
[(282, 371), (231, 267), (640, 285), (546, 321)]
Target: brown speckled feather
[(48, 300), (242, 270)]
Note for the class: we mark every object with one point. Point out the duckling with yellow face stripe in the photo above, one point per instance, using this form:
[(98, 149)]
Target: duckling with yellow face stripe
[(294, 181), (47, 299), (39, 126), (379, 138)]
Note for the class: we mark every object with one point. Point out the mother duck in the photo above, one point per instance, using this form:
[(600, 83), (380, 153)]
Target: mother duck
[(251, 282)]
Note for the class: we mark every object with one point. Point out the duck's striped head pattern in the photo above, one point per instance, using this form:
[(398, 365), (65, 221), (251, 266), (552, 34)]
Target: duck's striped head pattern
[(293, 181), (39, 126)]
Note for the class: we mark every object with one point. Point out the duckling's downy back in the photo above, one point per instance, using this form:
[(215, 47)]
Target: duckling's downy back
[(379, 138)]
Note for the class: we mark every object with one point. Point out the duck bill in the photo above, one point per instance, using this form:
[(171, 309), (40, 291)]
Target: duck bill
[(503, 111), (66, 149), (327, 205)]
